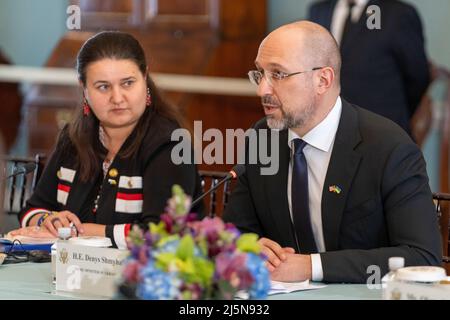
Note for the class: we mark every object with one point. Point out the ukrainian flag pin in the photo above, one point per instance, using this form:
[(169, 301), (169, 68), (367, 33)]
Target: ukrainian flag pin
[(335, 189), (113, 173)]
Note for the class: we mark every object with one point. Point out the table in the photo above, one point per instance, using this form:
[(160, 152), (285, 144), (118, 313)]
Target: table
[(27, 281), (33, 281)]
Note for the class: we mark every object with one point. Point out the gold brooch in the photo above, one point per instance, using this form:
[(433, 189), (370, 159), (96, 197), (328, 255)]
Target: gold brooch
[(113, 173)]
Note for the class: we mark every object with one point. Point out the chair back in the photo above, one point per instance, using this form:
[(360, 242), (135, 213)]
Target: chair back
[(19, 187), (442, 201), (217, 199), (444, 161)]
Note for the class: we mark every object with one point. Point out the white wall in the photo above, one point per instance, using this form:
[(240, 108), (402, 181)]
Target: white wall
[(29, 29)]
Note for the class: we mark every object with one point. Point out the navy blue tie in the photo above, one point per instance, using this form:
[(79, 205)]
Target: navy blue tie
[(300, 200)]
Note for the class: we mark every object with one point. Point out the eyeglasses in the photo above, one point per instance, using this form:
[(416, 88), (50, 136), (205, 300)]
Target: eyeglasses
[(255, 76)]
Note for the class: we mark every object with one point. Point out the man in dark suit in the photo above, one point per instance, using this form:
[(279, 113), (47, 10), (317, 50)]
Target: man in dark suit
[(351, 188), (383, 70)]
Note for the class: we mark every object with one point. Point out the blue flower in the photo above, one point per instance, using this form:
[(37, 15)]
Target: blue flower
[(157, 284), (258, 270)]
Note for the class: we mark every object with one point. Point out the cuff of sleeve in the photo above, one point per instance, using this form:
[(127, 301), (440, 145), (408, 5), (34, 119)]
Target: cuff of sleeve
[(30, 214), (118, 234), (316, 264)]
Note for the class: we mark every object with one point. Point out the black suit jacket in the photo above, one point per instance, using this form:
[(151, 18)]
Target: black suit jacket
[(386, 70), (385, 208)]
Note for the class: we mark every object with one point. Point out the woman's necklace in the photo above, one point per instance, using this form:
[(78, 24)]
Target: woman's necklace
[(107, 162), (105, 166)]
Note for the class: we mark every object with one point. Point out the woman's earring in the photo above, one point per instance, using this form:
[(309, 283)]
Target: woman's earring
[(148, 100), (86, 108)]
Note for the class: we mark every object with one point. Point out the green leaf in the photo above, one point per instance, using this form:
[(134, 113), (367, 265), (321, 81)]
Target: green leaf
[(164, 240), (248, 242), (186, 248), (164, 260), (136, 237), (180, 200), (226, 291), (226, 237), (203, 245), (185, 266), (186, 295), (159, 228), (204, 271)]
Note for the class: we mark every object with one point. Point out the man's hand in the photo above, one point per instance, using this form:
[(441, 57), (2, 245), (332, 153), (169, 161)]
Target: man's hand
[(296, 267), (274, 252)]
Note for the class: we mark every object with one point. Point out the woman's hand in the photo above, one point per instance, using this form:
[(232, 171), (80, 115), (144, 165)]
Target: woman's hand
[(61, 219), (32, 231)]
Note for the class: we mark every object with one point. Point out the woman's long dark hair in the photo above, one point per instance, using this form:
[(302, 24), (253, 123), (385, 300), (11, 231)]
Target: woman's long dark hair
[(83, 130)]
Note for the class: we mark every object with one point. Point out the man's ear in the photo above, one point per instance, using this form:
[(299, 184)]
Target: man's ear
[(326, 79)]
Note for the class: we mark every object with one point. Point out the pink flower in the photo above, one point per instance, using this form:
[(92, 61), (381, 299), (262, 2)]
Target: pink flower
[(232, 268), (131, 271)]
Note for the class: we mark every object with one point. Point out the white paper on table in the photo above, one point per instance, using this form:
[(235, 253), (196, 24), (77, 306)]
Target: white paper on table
[(27, 239), (287, 287), (277, 287)]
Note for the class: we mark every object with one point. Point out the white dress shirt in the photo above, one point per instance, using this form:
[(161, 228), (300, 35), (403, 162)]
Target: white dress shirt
[(340, 15), (320, 141)]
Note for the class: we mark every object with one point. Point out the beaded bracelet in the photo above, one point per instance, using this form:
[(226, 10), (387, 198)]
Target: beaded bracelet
[(42, 218)]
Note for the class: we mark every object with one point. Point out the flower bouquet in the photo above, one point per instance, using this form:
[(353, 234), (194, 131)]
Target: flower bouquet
[(181, 258)]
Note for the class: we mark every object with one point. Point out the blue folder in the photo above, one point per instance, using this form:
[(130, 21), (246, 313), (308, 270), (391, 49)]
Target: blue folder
[(5, 246)]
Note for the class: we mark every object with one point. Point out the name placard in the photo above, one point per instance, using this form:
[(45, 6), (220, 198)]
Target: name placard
[(397, 290), (89, 271)]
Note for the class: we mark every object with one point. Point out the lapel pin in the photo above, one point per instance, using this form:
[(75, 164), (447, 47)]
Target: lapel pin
[(335, 189), (112, 182), (113, 173)]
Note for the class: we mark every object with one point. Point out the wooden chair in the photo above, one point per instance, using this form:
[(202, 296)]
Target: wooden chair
[(442, 201), (421, 124), (444, 173), (217, 199), (19, 188), (11, 109)]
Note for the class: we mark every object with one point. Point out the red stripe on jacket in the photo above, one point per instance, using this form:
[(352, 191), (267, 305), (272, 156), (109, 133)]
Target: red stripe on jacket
[(63, 187), (129, 196), (127, 229)]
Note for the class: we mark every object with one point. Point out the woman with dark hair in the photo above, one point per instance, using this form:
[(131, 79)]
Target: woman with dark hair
[(112, 165)]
